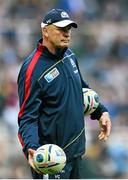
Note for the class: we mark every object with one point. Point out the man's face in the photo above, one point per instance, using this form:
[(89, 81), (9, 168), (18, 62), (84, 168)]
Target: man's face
[(59, 37)]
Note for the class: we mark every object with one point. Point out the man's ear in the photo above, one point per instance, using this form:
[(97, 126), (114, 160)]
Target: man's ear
[(45, 32)]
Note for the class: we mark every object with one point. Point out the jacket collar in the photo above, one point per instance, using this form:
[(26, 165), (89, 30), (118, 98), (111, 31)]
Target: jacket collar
[(58, 55)]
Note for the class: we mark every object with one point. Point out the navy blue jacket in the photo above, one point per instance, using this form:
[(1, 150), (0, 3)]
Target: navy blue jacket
[(51, 102)]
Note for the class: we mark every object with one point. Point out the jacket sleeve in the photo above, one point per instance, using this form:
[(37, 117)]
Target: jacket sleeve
[(98, 112), (28, 115), (101, 108)]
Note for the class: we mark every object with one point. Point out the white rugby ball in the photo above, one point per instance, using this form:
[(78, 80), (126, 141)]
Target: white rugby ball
[(49, 159), (91, 100)]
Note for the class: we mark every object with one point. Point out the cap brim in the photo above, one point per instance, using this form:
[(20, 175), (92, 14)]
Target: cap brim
[(43, 25), (63, 23)]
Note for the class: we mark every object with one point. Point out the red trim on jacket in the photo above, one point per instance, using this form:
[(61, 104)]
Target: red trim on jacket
[(28, 80)]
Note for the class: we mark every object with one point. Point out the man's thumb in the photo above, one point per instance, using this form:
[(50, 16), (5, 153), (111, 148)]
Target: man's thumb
[(31, 152)]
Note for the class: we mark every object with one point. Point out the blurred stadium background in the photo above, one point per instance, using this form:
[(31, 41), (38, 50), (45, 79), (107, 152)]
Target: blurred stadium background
[(101, 45)]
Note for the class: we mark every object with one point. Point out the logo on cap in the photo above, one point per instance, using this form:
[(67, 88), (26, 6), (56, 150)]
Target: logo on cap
[(49, 21), (64, 15)]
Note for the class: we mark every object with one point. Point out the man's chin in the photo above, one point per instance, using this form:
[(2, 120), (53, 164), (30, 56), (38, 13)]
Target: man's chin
[(64, 45)]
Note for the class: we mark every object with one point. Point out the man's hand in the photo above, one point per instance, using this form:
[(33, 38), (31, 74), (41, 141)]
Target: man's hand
[(30, 159), (105, 126)]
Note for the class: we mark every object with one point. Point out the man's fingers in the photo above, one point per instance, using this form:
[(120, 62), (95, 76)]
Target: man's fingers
[(105, 128), (105, 124), (108, 128), (103, 136), (30, 160)]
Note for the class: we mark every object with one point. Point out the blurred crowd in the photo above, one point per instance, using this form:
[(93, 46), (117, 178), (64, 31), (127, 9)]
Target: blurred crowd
[(101, 45)]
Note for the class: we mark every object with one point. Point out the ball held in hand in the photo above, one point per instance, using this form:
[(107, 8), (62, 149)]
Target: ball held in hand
[(91, 101), (49, 159)]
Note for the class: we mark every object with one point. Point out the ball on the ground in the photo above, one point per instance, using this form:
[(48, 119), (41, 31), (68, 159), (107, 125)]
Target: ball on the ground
[(91, 101), (49, 159)]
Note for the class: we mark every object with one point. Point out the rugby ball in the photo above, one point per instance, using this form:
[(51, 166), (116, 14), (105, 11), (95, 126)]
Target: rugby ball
[(49, 159), (91, 101)]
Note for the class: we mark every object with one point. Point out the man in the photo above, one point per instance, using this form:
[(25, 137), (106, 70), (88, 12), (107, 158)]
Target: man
[(51, 99)]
